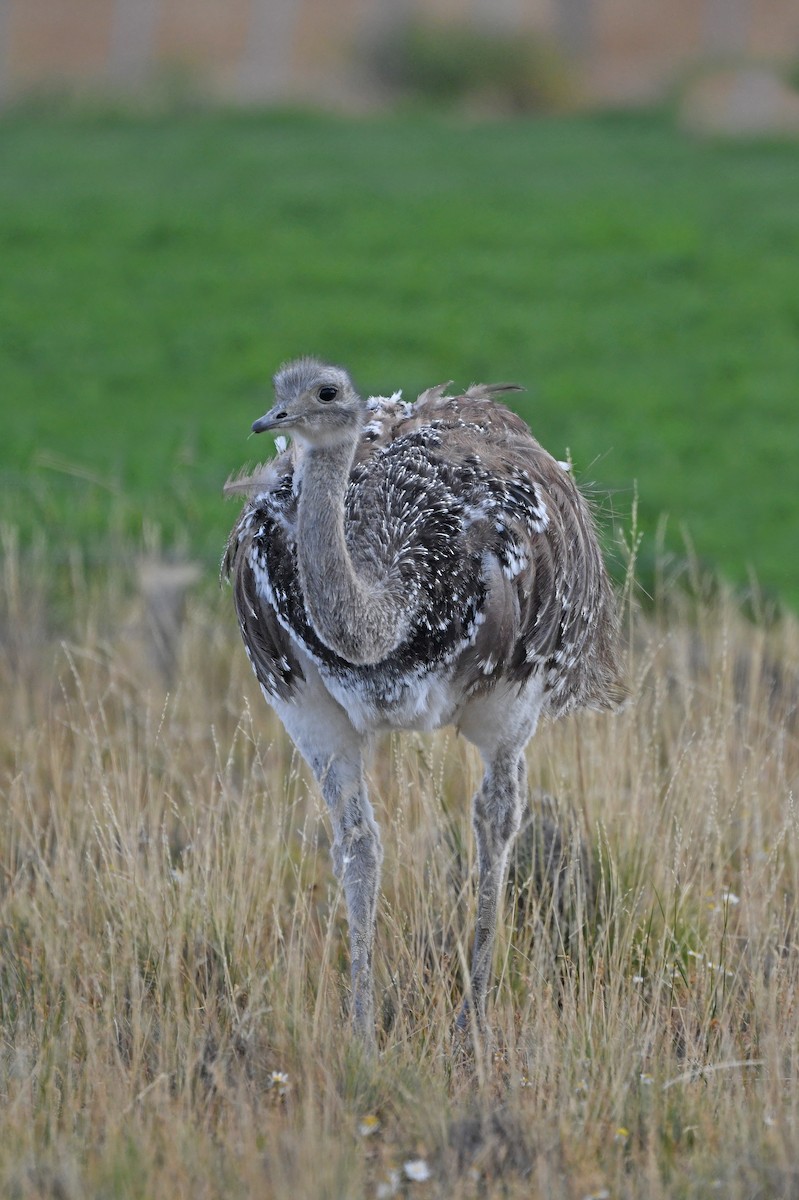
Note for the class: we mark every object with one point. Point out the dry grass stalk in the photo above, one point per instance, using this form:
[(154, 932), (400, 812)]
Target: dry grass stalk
[(171, 1002)]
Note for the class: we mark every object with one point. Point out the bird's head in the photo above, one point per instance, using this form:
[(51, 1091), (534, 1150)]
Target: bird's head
[(314, 402)]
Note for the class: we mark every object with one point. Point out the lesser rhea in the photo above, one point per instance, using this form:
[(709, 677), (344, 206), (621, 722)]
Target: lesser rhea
[(408, 566)]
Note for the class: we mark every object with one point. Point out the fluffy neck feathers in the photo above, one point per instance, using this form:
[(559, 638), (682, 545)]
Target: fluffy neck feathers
[(363, 620)]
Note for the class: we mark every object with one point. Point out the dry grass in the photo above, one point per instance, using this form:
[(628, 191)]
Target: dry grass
[(172, 1002)]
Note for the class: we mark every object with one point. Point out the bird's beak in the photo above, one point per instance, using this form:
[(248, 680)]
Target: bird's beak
[(276, 418)]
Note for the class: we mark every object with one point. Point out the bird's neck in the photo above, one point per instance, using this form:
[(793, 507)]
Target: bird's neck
[(361, 619)]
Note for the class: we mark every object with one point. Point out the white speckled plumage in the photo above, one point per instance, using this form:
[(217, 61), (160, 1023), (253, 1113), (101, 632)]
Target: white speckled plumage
[(408, 566)]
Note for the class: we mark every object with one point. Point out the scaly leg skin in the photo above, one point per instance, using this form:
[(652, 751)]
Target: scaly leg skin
[(357, 857), (496, 816), (332, 748)]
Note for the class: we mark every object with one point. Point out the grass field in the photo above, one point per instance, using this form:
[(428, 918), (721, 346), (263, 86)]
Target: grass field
[(173, 952), (641, 285), (173, 959)]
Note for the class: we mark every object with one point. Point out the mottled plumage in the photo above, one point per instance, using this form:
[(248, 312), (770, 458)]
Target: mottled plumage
[(464, 553), (492, 541)]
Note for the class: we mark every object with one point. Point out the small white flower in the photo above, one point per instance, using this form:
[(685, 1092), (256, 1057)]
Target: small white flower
[(729, 897), (389, 1187), (368, 1125), (417, 1170)]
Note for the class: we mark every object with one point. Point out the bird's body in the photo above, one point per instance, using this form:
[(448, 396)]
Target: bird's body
[(408, 566)]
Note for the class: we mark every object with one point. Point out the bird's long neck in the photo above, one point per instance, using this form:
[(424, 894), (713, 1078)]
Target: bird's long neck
[(360, 619)]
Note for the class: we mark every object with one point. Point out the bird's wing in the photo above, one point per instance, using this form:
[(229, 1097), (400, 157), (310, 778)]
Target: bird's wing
[(569, 622), (548, 606), (267, 643)]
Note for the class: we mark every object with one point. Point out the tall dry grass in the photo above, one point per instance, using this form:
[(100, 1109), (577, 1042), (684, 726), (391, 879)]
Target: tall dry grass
[(173, 946)]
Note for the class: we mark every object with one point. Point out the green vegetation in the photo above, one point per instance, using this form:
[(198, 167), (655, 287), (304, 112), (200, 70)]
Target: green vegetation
[(172, 945), (641, 285), (464, 67)]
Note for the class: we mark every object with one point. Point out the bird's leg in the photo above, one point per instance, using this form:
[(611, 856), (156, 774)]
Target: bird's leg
[(496, 817), (325, 737), (357, 856)]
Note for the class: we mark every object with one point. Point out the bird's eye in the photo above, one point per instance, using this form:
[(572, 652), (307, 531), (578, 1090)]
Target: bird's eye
[(327, 393)]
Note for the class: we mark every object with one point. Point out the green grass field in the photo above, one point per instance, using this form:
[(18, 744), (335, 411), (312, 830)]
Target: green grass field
[(173, 951), (642, 286)]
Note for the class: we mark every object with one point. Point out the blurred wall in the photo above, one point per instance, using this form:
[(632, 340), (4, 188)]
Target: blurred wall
[(315, 50)]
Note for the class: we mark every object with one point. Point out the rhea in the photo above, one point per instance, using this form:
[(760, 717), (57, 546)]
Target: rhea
[(408, 566)]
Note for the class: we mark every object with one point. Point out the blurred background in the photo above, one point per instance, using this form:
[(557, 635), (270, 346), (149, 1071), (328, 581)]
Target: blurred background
[(598, 199), (327, 51)]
